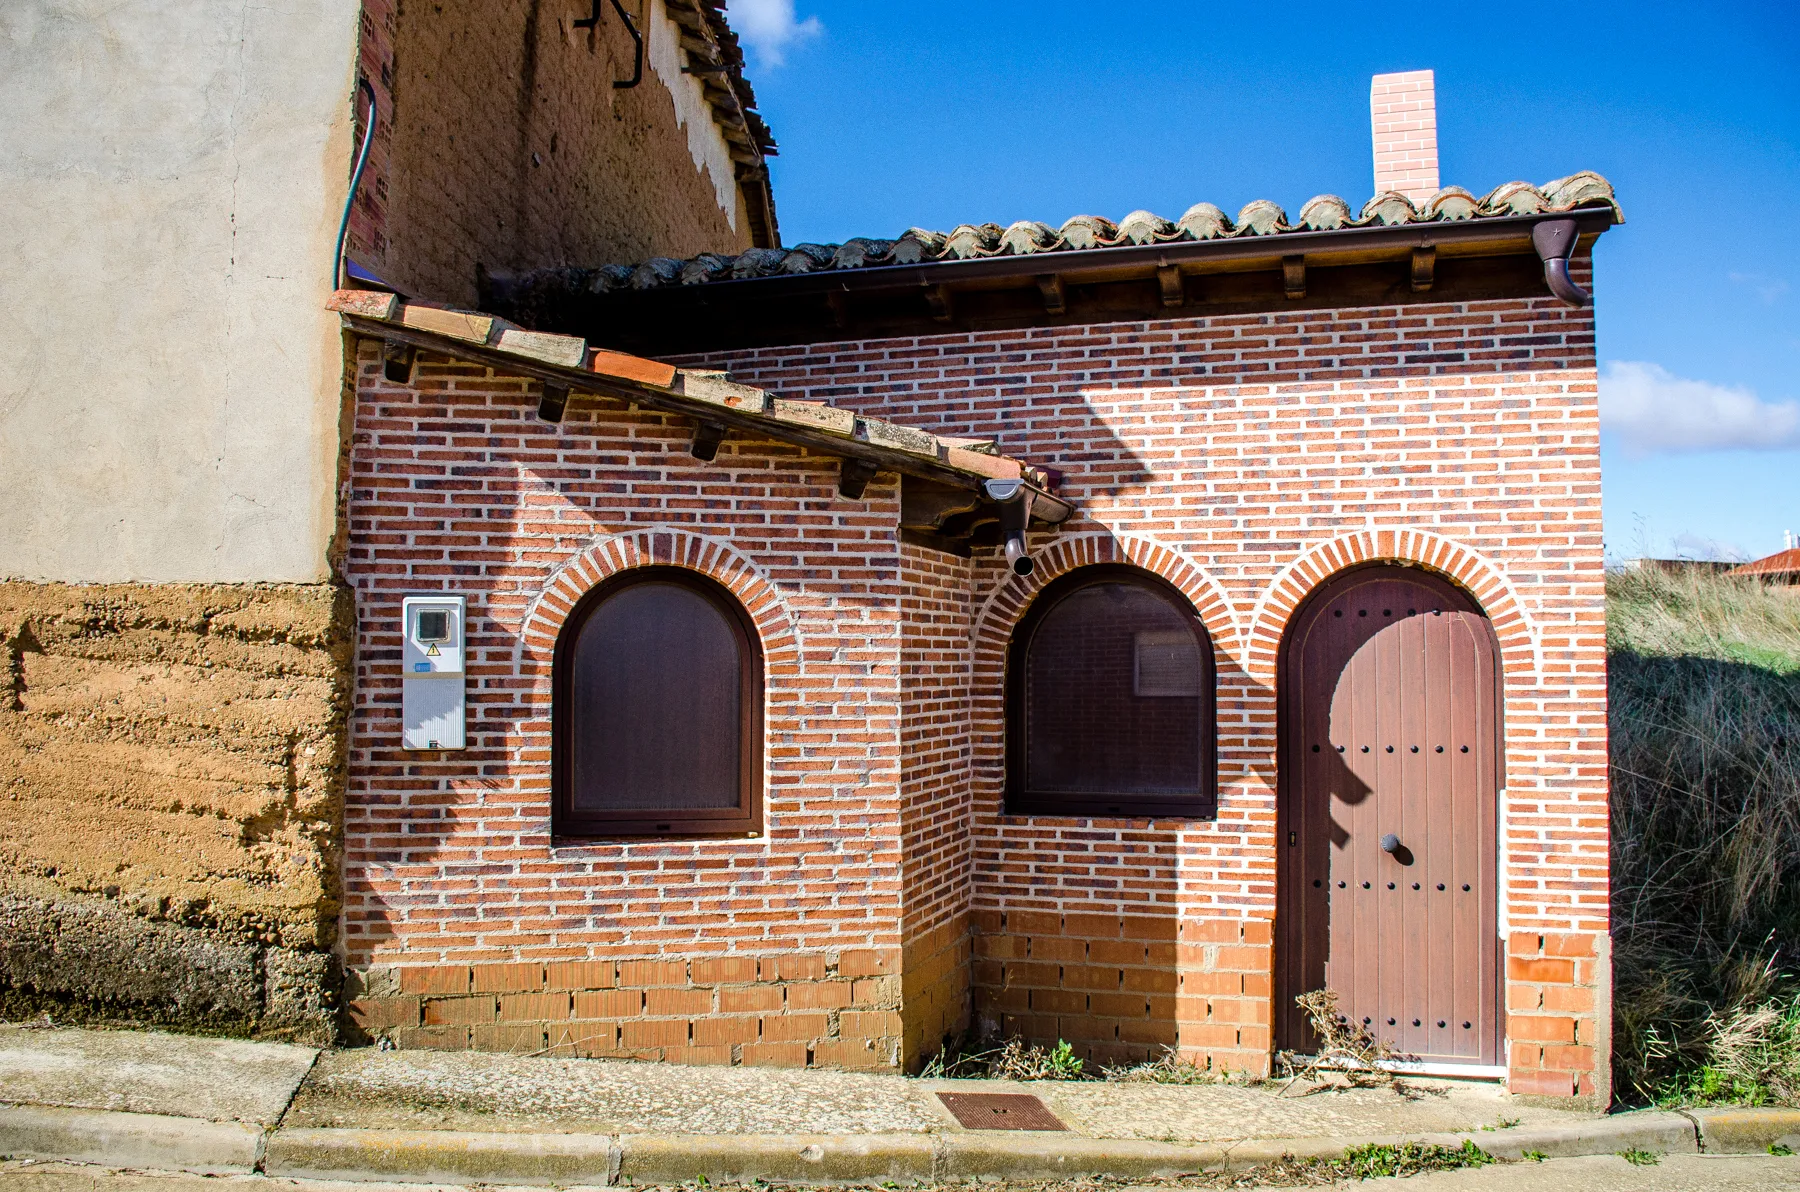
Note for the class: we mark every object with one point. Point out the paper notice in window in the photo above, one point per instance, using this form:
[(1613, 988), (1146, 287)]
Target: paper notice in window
[(1166, 664)]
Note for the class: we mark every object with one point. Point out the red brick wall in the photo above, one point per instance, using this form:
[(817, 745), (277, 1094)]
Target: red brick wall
[(1105, 983), (935, 594), (1246, 458), (464, 923)]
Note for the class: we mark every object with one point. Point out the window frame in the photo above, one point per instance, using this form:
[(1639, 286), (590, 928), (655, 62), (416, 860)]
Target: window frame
[(1203, 804), (566, 822)]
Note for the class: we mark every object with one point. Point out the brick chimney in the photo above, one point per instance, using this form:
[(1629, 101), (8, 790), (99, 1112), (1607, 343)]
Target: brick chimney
[(1403, 113)]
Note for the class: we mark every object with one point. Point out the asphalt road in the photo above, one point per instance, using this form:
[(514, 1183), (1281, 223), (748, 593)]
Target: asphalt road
[(1675, 1173)]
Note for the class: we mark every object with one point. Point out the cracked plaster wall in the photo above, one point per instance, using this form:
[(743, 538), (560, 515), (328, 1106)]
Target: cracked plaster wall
[(171, 802), (170, 383)]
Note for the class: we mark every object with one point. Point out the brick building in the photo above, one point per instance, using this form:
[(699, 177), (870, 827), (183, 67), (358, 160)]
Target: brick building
[(1107, 632)]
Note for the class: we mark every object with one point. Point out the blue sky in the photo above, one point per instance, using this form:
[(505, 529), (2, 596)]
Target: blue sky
[(932, 114)]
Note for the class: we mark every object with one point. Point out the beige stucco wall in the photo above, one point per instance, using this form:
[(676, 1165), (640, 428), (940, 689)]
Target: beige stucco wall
[(172, 176)]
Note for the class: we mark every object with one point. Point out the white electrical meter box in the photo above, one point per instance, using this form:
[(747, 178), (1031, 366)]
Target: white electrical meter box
[(431, 699)]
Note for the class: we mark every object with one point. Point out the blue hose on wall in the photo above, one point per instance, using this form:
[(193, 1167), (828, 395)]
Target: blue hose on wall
[(362, 159)]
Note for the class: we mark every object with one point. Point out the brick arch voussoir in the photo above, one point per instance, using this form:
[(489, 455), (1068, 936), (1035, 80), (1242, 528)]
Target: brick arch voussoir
[(717, 560), (1004, 607), (1469, 569)]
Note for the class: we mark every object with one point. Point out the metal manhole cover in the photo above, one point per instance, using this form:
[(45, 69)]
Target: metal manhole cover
[(1000, 1111)]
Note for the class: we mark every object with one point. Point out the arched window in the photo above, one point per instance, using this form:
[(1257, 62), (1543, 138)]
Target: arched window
[(1110, 700), (657, 715)]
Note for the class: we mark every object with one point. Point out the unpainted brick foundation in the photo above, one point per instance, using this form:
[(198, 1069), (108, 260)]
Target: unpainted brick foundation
[(791, 1010)]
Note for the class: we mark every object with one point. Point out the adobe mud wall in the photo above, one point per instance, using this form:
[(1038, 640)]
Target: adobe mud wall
[(504, 144), (171, 802)]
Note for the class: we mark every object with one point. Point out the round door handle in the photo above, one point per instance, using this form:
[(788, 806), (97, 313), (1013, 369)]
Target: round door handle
[(1390, 843)]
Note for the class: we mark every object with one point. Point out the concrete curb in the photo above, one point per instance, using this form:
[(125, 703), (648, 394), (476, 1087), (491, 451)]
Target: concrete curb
[(446, 1156), (130, 1139), (442, 1156), (1059, 1156), (784, 1158), (1658, 1133), (1746, 1131)]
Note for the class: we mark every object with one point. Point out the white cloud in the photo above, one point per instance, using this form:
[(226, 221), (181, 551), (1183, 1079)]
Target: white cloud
[(1767, 288), (771, 27), (1651, 410), (1698, 546)]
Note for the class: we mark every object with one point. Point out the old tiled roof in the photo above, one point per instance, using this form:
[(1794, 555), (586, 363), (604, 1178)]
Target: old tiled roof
[(567, 362), (715, 57), (1784, 562), (1202, 221)]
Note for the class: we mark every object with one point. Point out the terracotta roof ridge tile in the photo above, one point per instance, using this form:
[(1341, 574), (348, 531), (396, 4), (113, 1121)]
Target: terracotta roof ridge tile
[(1202, 221)]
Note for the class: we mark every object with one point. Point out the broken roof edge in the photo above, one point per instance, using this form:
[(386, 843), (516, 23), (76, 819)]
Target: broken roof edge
[(709, 396)]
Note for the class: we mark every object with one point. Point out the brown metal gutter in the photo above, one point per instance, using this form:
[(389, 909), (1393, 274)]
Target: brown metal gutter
[(1470, 237)]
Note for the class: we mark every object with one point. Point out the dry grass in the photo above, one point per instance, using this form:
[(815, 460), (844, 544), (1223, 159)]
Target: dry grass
[(1170, 1068), (1703, 615), (1752, 1057), (1344, 1046), (1012, 1060), (1704, 716)]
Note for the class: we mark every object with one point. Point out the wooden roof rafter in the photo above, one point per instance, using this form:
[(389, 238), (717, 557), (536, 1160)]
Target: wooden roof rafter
[(957, 469)]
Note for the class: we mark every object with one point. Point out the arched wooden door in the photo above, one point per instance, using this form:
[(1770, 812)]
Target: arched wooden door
[(1389, 792)]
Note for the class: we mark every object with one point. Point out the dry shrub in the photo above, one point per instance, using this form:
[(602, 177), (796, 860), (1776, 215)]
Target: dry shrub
[(1012, 1060), (1704, 717), (1170, 1068), (1344, 1046)]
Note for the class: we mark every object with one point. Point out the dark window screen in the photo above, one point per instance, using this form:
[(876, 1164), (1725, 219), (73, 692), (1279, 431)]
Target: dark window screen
[(1113, 704), (653, 720)]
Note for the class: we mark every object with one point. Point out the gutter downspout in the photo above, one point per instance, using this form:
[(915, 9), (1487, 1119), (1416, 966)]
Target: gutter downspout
[(1014, 500), (1555, 240), (364, 87)]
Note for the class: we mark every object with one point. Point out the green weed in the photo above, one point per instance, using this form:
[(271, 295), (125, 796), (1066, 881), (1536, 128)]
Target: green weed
[(1376, 1160), (1013, 1060), (1752, 1057), (1639, 1158)]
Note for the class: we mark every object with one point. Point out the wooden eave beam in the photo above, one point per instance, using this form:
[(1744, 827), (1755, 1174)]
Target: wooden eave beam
[(1046, 508), (1174, 290), (1424, 268), (1293, 276), (1495, 236)]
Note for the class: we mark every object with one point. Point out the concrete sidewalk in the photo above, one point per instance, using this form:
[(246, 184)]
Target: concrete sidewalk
[(222, 1106)]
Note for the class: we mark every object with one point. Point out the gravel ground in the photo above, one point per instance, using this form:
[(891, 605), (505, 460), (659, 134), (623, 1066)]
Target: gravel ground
[(1218, 1113), (470, 1090), (475, 1091)]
